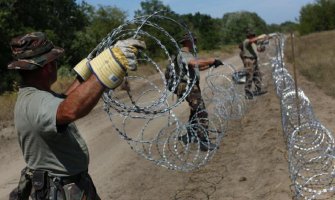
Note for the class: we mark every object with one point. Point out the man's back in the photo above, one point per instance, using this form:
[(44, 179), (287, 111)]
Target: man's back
[(60, 150)]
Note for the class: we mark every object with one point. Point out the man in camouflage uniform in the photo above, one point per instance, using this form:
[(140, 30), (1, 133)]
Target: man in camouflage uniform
[(55, 153), (249, 56), (198, 119)]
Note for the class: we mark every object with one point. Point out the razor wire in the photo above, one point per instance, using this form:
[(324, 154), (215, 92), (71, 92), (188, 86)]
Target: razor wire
[(149, 104), (311, 146), (229, 100)]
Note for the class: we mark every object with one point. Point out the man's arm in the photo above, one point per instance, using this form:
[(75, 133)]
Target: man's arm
[(109, 69), (80, 100), (74, 85), (260, 37), (205, 63)]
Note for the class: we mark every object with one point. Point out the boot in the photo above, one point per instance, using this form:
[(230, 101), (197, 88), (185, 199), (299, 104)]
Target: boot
[(206, 145), (188, 138), (259, 92), (249, 95)]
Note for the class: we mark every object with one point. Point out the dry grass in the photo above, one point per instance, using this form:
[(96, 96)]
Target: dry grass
[(62, 84), (315, 59), (7, 103)]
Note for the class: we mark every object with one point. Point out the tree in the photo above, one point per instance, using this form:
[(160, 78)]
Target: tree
[(148, 7), (58, 19), (317, 17), (285, 27), (102, 21), (205, 28), (234, 26)]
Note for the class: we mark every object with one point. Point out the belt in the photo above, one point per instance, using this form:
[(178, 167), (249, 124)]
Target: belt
[(64, 180), (70, 179)]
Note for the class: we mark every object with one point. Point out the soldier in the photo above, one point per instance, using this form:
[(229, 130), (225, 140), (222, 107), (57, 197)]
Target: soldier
[(55, 153), (198, 119), (249, 56)]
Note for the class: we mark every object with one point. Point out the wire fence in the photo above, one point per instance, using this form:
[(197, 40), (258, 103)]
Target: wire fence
[(310, 145), (151, 107), (155, 111)]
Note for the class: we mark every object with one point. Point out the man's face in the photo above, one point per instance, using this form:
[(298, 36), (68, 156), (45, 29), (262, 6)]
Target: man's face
[(189, 43)]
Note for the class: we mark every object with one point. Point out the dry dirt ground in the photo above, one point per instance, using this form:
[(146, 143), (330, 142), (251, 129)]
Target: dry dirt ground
[(251, 163)]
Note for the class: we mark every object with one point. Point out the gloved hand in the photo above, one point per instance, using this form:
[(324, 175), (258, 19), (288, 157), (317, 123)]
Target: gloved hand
[(262, 37), (82, 69), (217, 63), (110, 65)]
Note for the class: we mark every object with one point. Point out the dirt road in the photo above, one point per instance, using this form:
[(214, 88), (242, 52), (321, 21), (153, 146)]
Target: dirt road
[(251, 163)]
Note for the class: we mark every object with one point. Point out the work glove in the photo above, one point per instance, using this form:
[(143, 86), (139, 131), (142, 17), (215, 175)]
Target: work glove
[(217, 63), (110, 66), (262, 37), (82, 69), (124, 51)]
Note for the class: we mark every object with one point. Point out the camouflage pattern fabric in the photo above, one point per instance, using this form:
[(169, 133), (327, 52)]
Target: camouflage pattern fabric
[(33, 50), (198, 114), (253, 74), (82, 190)]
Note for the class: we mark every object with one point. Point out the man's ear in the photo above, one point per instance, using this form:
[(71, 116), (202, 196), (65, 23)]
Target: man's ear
[(48, 67)]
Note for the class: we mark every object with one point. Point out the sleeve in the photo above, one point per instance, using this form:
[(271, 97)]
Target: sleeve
[(186, 58), (44, 117), (254, 49)]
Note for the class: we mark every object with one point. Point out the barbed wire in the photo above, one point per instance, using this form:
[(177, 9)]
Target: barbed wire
[(310, 144), (149, 118)]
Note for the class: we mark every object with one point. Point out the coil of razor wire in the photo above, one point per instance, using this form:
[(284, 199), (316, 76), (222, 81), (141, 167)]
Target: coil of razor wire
[(311, 147), (229, 100), (148, 105)]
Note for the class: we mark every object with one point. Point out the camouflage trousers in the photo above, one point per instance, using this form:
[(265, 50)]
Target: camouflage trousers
[(198, 118), (40, 186), (253, 75)]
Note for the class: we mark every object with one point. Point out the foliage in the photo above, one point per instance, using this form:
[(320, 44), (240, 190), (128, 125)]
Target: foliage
[(58, 19), (317, 17), (234, 26), (286, 27), (101, 22), (206, 29), (148, 7)]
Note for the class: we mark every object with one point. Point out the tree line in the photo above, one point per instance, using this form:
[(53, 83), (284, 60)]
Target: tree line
[(79, 27)]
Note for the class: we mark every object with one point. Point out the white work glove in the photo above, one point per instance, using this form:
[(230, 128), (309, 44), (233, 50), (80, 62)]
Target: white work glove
[(129, 48), (110, 65)]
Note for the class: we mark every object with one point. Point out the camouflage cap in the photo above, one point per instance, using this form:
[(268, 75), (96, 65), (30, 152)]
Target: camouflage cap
[(188, 36), (33, 50)]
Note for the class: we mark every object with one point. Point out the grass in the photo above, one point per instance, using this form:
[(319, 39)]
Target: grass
[(7, 103), (315, 59)]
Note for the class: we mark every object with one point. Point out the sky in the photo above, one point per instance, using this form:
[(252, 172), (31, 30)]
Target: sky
[(271, 11)]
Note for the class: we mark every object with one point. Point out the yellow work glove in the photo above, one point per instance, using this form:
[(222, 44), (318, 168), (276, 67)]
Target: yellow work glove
[(82, 69), (110, 65), (262, 37)]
